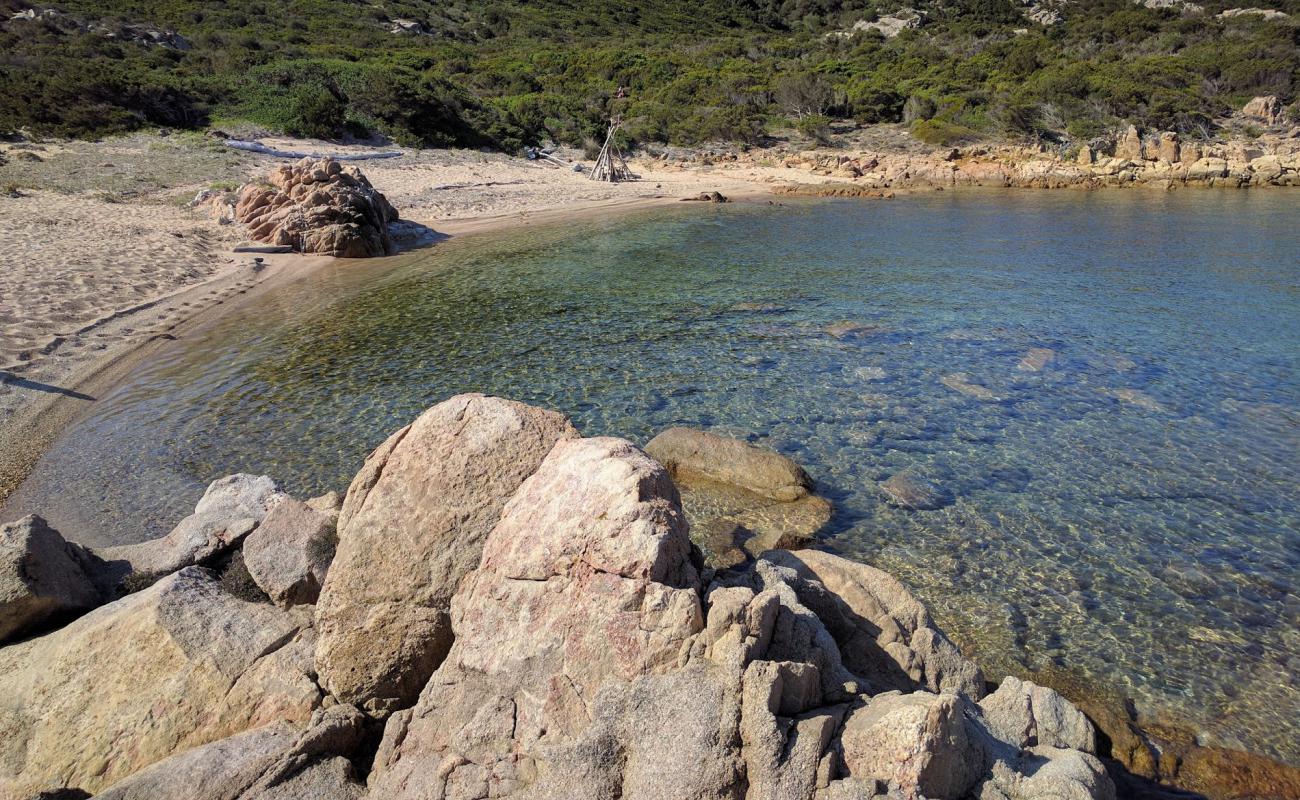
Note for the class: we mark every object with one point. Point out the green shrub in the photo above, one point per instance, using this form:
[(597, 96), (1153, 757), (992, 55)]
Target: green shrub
[(871, 103), (816, 127), (942, 134), (315, 111)]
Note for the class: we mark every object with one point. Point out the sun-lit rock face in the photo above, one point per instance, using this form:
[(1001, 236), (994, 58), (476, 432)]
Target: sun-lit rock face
[(177, 665), (318, 207), (412, 525)]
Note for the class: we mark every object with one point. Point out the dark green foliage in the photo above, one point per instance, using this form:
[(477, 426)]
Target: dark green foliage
[(503, 73)]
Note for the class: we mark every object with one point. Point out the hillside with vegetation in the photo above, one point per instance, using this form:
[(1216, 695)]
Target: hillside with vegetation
[(505, 73)]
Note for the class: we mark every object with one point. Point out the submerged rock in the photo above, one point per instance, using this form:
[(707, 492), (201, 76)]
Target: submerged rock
[(42, 577), (1036, 359), (759, 308), (848, 330), (1138, 398), (412, 526), (869, 373), (762, 499), (960, 382), (911, 491)]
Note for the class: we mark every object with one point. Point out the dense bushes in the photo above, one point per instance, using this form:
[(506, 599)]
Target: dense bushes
[(507, 72)]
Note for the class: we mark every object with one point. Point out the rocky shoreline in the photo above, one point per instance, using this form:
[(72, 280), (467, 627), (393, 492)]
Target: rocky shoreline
[(499, 607), (1131, 157)]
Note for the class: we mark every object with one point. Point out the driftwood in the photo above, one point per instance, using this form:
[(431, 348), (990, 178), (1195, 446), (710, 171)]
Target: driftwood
[(442, 187), (610, 165), (258, 147), (263, 248)]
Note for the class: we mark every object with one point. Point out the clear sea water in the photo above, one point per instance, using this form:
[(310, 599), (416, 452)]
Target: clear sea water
[(1127, 515)]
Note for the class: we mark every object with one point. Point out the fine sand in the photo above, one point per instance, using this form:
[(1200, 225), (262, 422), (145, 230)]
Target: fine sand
[(103, 254)]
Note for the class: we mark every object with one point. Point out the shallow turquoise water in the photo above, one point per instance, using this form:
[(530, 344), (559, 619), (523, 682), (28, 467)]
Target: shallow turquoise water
[(1127, 515)]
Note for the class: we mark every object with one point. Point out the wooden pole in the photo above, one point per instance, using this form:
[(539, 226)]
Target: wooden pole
[(604, 168)]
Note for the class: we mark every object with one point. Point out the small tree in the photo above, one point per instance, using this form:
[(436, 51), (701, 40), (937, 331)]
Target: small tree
[(805, 95)]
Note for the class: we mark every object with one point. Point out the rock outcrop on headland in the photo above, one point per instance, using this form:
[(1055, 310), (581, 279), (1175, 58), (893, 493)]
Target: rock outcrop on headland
[(318, 207), (518, 612), (1130, 157)]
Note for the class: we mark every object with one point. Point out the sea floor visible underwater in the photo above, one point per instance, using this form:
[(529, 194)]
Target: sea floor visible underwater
[(1102, 388)]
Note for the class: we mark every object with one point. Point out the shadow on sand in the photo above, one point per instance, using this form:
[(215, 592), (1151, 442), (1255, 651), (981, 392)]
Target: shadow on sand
[(10, 379)]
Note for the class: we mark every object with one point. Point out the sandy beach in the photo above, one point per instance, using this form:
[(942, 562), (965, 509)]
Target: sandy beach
[(107, 256)]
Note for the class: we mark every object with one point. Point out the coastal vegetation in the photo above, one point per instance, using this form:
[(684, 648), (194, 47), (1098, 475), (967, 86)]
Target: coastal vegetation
[(503, 73)]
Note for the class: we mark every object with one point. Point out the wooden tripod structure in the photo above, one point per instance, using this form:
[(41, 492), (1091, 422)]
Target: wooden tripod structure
[(610, 165)]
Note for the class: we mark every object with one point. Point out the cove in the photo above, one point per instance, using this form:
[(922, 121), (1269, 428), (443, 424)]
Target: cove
[(1103, 388)]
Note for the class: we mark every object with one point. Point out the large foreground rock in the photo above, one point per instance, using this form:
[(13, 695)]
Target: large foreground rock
[(586, 581), (318, 207), (741, 499), (412, 526), (228, 511), (587, 658), (42, 577), (175, 666), (585, 665)]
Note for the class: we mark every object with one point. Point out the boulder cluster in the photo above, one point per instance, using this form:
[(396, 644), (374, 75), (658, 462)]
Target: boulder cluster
[(318, 206), (499, 607)]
